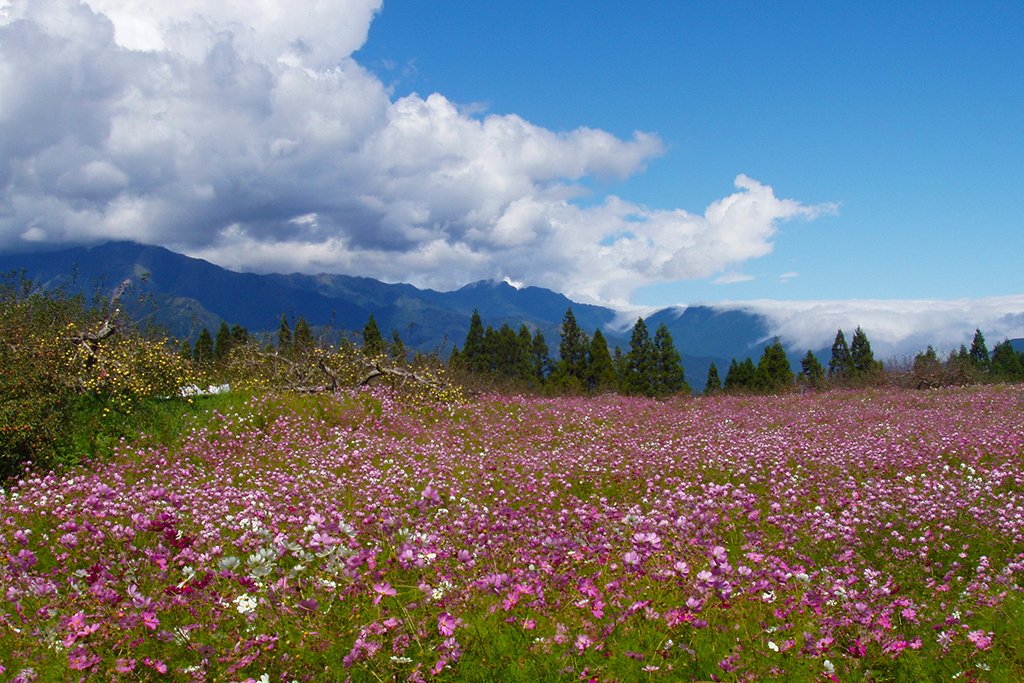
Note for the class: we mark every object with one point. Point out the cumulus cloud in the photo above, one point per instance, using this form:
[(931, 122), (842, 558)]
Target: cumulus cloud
[(246, 134), (894, 327)]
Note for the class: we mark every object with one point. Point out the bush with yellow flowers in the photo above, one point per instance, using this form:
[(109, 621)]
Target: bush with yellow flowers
[(125, 368), (57, 350)]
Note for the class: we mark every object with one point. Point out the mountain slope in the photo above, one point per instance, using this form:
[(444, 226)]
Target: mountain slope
[(191, 293)]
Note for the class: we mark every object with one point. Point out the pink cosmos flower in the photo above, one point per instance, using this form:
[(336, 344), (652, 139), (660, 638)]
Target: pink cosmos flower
[(124, 666), (981, 640), (446, 624), (81, 659), (382, 589), (77, 621), (155, 664)]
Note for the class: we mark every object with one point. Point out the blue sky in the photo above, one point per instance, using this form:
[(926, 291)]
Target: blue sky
[(910, 116), (825, 164)]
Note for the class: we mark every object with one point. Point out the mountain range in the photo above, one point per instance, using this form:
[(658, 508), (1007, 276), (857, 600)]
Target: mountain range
[(189, 294)]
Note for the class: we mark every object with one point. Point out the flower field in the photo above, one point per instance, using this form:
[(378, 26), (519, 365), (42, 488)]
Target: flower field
[(847, 536)]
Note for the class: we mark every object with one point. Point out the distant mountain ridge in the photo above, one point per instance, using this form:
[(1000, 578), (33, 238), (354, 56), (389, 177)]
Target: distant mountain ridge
[(192, 293)]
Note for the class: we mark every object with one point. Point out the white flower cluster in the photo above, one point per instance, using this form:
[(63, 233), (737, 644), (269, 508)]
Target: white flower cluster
[(245, 604)]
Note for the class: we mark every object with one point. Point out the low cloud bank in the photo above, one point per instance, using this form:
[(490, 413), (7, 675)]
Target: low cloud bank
[(894, 327)]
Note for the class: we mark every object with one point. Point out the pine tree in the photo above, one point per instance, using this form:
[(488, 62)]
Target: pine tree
[(506, 353), (203, 351), (573, 349), (670, 377), (839, 365), (1005, 363), (222, 344), (811, 370), (641, 366), (773, 372), (862, 360), (239, 336), (373, 340), (302, 342), (979, 352), (523, 362), (487, 360), (539, 358), (186, 350), (619, 363), (714, 384), (473, 349), (740, 376), (284, 338), (601, 375)]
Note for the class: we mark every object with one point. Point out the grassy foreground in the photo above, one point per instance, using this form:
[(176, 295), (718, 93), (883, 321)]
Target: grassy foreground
[(845, 536)]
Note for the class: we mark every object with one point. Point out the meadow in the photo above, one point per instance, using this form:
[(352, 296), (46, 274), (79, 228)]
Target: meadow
[(868, 535)]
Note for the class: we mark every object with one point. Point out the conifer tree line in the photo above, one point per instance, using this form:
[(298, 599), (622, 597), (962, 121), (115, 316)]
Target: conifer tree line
[(650, 367), (854, 364), (209, 350), (1003, 364), (849, 364)]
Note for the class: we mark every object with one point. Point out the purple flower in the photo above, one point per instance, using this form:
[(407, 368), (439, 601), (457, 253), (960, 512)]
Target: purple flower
[(382, 589), (430, 496), (446, 624), (308, 606), (124, 666), (981, 640), (155, 664), (81, 659), (631, 558)]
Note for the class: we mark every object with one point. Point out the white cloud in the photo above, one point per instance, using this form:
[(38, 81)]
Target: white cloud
[(894, 327), (786, 277), (733, 278), (246, 134)]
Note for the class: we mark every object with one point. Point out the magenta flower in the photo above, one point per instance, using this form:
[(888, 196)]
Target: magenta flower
[(77, 621), (155, 664), (81, 659), (124, 666), (631, 559), (446, 624), (382, 589), (981, 640), (150, 621)]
